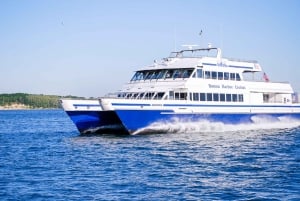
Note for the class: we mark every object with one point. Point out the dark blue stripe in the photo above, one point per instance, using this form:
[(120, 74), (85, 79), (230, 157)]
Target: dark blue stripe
[(130, 104), (209, 64), (201, 105), (240, 67), (86, 105)]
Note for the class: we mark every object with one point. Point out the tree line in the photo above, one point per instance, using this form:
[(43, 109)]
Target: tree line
[(33, 100)]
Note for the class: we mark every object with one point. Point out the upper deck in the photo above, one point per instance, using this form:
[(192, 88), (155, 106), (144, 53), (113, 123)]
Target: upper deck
[(205, 58)]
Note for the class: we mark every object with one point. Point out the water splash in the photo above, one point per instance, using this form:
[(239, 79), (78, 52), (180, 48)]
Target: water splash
[(191, 126)]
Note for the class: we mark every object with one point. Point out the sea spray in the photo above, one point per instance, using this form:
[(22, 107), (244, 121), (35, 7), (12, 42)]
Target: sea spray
[(191, 126)]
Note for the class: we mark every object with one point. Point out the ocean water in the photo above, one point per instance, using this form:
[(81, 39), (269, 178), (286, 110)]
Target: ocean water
[(43, 157)]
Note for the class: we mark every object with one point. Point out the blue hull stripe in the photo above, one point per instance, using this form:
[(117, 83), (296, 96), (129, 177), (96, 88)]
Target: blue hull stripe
[(129, 121), (137, 119)]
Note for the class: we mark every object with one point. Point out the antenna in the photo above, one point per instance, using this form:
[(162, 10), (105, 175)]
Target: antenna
[(200, 34)]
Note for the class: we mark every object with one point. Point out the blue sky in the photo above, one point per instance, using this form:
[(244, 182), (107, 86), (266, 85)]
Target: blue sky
[(90, 48)]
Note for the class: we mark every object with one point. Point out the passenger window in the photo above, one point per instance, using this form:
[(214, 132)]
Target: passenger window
[(226, 76), (209, 96), (237, 77), (202, 97), (171, 95), (207, 74), (214, 75), (232, 76), (241, 98), (199, 73), (141, 96), (196, 96), (222, 97), (177, 74), (234, 97), (228, 97), (161, 74), (220, 75), (216, 97), (183, 96), (169, 74)]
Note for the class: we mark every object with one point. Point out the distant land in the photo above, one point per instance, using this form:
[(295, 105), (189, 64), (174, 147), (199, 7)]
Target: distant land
[(16, 101)]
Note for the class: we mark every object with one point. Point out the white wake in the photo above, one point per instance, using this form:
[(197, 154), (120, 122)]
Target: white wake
[(189, 126)]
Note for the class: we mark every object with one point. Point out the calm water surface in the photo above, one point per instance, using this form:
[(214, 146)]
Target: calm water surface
[(43, 157)]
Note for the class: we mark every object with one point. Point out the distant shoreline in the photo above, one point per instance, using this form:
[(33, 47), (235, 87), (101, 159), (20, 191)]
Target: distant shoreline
[(24, 101), (22, 107)]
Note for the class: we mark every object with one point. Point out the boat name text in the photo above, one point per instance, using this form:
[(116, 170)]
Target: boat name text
[(224, 86)]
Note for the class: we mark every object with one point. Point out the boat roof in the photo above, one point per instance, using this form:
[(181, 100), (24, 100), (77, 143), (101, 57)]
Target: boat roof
[(202, 57)]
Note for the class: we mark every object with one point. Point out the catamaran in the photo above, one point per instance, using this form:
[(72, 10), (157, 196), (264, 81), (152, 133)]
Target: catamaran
[(192, 85)]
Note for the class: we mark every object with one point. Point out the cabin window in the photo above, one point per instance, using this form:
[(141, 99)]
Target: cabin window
[(128, 95), (207, 74), (196, 96), (241, 98), (171, 95), (215, 97), (199, 73), (220, 75), (209, 96), (159, 95), (266, 98), (169, 74), (222, 97), (140, 96), (148, 95), (226, 76), (154, 75), (232, 76), (134, 95), (234, 97), (180, 96), (228, 97), (148, 75), (214, 75), (186, 73), (237, 77), (160, 74), (134, 76), (183, 96), (121, 95), (138, 76), (202, 97), (177, 74)]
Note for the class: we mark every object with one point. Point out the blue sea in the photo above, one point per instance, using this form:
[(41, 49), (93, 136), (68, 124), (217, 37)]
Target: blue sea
[(43, 157)]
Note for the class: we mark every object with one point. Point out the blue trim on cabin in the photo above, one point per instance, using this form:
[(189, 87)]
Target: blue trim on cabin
[(232, 66), (130, 104), (203, 105), (86, 105)]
